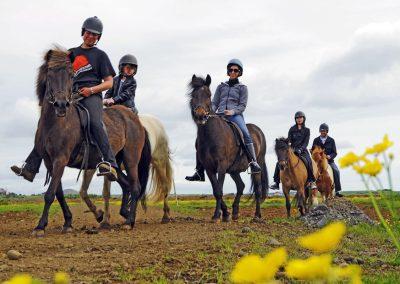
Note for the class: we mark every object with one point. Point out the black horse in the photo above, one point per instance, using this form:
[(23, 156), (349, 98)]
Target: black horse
[(219, 153)]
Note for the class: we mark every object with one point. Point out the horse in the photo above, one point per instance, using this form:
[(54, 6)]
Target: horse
[(59, 139), (325, 182), (219, 153), (161, 173), (293, 175)]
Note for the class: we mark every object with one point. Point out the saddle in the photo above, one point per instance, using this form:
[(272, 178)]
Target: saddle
[(236, 132)]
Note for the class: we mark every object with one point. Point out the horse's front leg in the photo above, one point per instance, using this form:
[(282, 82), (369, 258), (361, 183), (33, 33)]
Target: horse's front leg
[(67, 227), (239, 192), (217, 195), (224, 208), (58, 167), (257, 192), (83, 192), (105, 224)]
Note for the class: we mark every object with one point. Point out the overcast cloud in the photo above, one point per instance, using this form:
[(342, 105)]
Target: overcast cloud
[(338, 61)]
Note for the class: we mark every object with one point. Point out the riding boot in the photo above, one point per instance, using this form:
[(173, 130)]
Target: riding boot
[(275, 186), (251, 155), (30, 168), (199, 174)]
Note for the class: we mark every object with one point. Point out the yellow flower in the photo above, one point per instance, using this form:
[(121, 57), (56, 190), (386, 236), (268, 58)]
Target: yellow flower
[(391, 156), (380, 147), (20, 279), (352, 272), (313, 268), (324, 240), (61, 278), (255, 269), (348, 160)]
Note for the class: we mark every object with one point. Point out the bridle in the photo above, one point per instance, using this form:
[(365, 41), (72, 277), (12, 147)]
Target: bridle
[(207, 112)]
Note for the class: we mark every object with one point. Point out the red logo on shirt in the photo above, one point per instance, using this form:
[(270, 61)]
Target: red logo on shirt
[(81, 64)]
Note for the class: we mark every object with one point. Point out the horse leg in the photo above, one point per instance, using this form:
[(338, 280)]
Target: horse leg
[(166, 217), (105, 224), (214, 183), (239, 192), (67, 227), (301, 201), (287, 200), (123, 182), (134, 191), (58, 167), (257, 192), (87, 178), (224, 208)]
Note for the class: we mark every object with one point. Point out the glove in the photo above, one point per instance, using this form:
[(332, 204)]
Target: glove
[(298, 151)]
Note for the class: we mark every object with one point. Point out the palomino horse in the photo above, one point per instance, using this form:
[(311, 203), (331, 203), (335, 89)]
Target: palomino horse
[(59, 140), (219, 153), (293, 174), (161, 173), (324, 177)]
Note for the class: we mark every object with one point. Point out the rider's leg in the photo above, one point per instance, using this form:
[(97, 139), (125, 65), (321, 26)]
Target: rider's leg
[(94, 105), (277, 178), (309, 166), (336, 179), (251, 154), (199, 174)]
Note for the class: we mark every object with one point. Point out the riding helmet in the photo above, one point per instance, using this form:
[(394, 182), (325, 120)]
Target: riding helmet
[(127, 59), (324, 126), (93, 25), (300, 114), (236, 62)]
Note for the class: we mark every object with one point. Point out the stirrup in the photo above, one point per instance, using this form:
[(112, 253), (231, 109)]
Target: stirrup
[(249, 169), (104, 173), (22, 168)]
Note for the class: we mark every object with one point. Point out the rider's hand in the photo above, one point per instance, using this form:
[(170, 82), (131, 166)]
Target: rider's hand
[(86, 92), (229, 112), (108, 102), (298, 151), (328, 157)]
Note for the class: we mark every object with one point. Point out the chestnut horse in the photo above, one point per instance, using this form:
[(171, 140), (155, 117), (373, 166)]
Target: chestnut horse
[(218, 152), (293, 174), (59, 140), (324, 177)]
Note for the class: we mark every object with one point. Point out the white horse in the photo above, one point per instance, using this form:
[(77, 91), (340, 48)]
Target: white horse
[(161, 173)]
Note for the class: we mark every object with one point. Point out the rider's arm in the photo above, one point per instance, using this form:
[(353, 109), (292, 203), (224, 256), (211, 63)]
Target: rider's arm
[(334, 152), (243, 96), (305, 140), (216, 99), (110, 92), (127, 93), (105, 85)]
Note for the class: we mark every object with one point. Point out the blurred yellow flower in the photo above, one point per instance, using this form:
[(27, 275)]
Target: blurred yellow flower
[(391, 156), (61, 278), (255, 269), (324, 240), (369, 168), (20, 279), (313, 268), (380, 147), (352, 272), (348, 160)]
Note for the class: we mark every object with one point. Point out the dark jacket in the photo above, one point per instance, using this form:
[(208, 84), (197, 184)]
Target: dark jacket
[(230, 98), (123, 94), (329, 147), (299, 138)]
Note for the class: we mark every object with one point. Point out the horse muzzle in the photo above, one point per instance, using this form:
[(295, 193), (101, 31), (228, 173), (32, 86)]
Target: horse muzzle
[(282, 165), (61, 108)]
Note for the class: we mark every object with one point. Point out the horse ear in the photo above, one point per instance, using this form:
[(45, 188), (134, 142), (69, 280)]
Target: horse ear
[(208, 80), (48, 55), (193, 77)]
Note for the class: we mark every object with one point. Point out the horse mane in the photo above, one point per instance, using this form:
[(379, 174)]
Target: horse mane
[(196, 83), (56, 58), (281, 143)]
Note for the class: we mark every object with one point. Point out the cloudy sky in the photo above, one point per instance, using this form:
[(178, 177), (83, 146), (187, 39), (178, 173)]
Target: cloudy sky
[(338, 61)]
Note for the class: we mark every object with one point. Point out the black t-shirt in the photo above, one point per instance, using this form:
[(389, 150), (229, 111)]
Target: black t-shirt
[(90, 66)]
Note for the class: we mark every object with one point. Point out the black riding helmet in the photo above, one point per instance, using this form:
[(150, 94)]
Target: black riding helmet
[(324, 126), (93, 25), (300, 114), (127, 59)]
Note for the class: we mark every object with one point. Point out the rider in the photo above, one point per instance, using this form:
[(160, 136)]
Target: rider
[(93, 74), (124, 86), (299, 136), (230, 100), (328, 144)]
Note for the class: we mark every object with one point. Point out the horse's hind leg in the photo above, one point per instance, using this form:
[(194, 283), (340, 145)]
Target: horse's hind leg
[(239, 192), (67, 227), (83, 192), (105, 224), (287, 201), (166, 217), (257, 191), (123, 182)]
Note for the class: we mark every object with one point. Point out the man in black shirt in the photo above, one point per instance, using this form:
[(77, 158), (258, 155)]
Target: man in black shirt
[(328, 144), (93, 74)]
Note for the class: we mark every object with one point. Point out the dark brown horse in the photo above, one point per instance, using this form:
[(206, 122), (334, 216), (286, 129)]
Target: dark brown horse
[(59, 140), (219, 153)]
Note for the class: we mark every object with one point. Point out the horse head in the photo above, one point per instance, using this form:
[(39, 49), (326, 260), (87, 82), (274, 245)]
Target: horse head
[(282, 148), (200, 99), (54, 83), (318, 154)]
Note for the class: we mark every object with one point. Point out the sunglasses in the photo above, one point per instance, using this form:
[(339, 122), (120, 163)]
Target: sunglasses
[(230, 70)]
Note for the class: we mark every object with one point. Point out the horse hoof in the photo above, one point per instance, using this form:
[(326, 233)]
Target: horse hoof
[(165, 220), (100, 215), (257, 220), (38, 233), (105, 226), (127, 227), (215, 220), (226, 219), (66, 230), (235, 217)]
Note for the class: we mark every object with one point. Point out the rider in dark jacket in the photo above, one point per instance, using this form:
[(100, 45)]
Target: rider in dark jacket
[(124, 86), (299, 136), (328, 144), (230, 100), (93, 74)]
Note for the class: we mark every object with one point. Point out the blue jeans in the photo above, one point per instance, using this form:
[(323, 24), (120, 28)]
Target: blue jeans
[(239, 120)]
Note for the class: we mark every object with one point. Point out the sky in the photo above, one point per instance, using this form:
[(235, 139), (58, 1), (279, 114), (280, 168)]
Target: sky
[(338, 61)]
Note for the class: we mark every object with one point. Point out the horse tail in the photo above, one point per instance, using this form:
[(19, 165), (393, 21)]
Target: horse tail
[(161, 172), (144, 168)]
